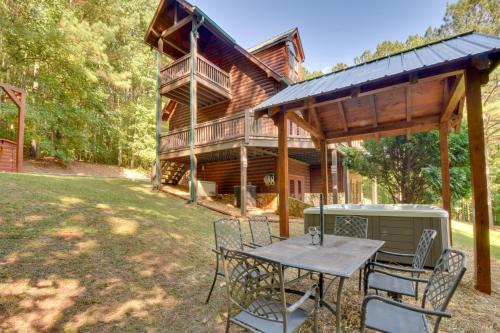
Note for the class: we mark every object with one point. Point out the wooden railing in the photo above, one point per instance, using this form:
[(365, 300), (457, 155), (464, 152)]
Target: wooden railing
[(241, 125), (175, 70), (181, 68)]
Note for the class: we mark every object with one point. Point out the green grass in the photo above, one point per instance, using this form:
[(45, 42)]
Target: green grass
[(463, 237), (83, 254), (94, 254)]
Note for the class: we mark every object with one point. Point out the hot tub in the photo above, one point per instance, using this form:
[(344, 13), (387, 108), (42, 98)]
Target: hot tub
[(400, 226)]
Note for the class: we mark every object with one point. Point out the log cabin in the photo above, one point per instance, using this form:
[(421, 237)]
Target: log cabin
[(231, 148)]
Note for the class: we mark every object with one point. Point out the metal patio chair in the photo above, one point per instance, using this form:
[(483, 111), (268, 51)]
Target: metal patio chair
[(352, 226), (261, 231), (257, 299), (387, 315), (387, 278), (228, 234)]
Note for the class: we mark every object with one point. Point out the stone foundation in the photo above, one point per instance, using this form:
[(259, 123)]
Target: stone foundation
[(296, 207)]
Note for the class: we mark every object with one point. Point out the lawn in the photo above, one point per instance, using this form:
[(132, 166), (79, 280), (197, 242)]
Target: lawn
[(82, 254)]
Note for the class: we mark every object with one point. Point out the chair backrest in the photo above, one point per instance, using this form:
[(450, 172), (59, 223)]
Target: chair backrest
[(255, 286), (228, 234), (351, 226), (444, 279), (260, 230), (423, 248)]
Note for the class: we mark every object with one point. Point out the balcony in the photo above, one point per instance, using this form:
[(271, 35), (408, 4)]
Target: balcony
[(213, 86), (226, 132)]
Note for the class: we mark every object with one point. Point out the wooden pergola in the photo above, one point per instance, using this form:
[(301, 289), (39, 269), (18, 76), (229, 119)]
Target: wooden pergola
[(429, 96), (18, 97)]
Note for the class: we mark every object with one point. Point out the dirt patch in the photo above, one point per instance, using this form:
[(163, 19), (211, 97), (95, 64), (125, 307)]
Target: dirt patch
[(82, 169)]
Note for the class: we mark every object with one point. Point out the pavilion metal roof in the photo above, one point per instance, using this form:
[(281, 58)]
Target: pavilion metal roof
[(426, 56)]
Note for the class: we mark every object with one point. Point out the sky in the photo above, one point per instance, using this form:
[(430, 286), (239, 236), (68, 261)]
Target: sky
[(331, 31)]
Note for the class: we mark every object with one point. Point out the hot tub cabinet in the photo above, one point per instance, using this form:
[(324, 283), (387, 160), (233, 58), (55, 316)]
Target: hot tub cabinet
[(400, 226)]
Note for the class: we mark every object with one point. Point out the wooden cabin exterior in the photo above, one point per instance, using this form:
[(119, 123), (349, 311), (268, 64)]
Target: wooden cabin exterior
[(8, 150), (231, 146)]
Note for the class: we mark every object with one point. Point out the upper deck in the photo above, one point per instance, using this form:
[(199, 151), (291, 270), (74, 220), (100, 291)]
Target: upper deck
[(213, 84)]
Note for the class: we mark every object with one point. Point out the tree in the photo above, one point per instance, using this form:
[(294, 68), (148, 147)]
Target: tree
[(409, 170), (339, 66), (307, 75)]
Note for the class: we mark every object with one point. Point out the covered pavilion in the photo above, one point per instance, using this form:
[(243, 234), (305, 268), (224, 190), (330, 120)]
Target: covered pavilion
[(421, 89)]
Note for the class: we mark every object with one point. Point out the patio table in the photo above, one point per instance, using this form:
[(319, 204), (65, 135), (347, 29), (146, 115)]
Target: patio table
[(338, 256)]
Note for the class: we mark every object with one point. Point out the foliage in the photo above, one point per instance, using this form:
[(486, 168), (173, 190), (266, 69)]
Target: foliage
[(409, 170), (89, 77), (307, 75), (339, 66)]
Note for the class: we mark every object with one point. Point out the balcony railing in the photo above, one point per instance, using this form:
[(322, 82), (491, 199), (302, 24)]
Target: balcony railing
[(181, 68), (242, 125)]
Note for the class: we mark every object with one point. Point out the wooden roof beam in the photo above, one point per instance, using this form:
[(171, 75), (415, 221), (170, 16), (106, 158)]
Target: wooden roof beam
[(373, 110), (314, 131), (456, 93), (188, 19), (408, 102), (416, 125), (342, 116)]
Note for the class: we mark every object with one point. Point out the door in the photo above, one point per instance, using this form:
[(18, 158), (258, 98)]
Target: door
[(297, 187)]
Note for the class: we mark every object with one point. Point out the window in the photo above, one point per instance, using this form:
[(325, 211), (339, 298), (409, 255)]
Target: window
[(292, 188), (293, 63)]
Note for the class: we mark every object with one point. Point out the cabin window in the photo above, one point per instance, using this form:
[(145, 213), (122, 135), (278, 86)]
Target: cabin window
[(293, 63), (299, 189), (292, 188)]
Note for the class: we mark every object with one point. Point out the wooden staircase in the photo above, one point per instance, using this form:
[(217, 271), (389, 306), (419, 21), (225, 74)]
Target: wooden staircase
[(172, 172)]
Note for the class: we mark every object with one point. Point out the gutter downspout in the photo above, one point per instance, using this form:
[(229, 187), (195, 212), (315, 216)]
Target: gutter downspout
[(158, 116), (193, 107)]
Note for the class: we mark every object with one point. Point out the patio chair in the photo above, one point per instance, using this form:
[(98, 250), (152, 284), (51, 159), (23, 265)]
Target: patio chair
[(352, 226), (256, 296), (393, 283), (261, 231), (387, 315), (228, 234)]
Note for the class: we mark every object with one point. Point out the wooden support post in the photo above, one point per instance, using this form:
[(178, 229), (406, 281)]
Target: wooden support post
[(20, 132), (374, 191), (158, 114), (243, 179), (193, 110), (347, 186), (281, 121), (335, 188), (323, 147), (445, 174), (477, 152)]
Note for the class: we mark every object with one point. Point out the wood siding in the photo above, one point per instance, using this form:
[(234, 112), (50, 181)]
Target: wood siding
[(301, 169), (275, 57), (7, 155), (249, 84), (315, 171), (226, 174)]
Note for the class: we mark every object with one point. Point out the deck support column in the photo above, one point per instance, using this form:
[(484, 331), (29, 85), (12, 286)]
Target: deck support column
[(158, 113), (193, 111), (477, 152), (347, 186), (243, 181), (281, 121), (445, 174), (374, 191), (323, 147), (335, 189)]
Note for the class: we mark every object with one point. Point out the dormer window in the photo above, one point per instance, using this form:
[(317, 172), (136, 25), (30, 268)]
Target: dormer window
[(293, 63)]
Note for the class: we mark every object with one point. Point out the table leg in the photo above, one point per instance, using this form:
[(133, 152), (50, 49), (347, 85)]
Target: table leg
[(321, 287), (337, 305)]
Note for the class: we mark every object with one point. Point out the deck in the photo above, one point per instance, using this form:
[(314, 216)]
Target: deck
[(214, 85), (228, 132)]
